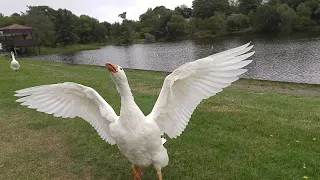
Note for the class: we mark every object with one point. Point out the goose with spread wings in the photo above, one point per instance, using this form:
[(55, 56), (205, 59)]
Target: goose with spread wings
[(138, 136)]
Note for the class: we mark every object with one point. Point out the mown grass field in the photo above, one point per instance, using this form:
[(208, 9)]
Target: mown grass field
[(69, 49), (241, 133), (76, 47)]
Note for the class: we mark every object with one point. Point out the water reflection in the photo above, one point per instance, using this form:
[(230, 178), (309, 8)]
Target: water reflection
[(280, 59)]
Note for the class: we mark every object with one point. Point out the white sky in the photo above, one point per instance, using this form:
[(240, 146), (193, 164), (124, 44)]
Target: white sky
[(103, 10)]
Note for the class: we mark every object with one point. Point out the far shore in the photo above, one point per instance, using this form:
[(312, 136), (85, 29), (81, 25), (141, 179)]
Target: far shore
[(93, 46)]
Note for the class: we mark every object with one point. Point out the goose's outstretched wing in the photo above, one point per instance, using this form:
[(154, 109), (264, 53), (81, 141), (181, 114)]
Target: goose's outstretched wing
[(69, 100), (192, 82)]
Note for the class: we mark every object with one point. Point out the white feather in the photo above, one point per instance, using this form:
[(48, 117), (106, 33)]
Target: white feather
[(69, 100), (192, 82)]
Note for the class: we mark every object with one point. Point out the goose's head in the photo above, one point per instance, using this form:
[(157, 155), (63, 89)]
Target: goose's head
[(117, 73)]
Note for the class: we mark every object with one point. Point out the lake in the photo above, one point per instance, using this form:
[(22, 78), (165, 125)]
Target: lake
[(277, 58)]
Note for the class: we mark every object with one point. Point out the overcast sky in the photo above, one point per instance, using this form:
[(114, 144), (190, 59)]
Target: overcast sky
[(104, 10)]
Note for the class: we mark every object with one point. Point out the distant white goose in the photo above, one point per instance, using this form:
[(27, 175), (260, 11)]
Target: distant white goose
[(138, 136), (14, 63)]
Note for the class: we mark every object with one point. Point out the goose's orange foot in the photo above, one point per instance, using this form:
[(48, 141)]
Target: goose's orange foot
[(137, 172), (159, 175)]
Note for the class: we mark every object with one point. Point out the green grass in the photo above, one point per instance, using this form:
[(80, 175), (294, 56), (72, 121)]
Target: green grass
[(69, 49), (311, 28), (275, 84), (138, 41), (77, 47), (237, 134)]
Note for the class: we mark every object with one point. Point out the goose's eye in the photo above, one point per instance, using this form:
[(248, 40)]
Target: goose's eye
[(121, 69)]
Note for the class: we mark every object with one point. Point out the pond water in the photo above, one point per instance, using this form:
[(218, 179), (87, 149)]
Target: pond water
[(277, 58)]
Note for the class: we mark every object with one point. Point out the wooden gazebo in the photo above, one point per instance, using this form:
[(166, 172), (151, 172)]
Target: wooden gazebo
[(15, 37)]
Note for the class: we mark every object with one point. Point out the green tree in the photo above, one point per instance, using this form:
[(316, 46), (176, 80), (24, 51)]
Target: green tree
[(303, 16), (317, 14), (303, 10), (265, 19), (115, 30), (287, 16), (164, 16), (175, 26), (15, 15), (66, 27), (216, 23), (236, 22), (245, 6), (41, 18), (100, 33), (184, 10), (6, 20), (155, 21), (149, 21), (313, 5), (194, 25), (42, 11), (122, 33), (108, 29), (18, 18), (234, 6), (88, 29), (207, 8)]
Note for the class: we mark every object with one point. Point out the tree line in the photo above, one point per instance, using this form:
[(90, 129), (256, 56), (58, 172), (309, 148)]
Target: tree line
[(204, 18)]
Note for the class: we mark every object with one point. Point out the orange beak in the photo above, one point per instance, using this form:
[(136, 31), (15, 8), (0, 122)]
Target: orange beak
[(112, 67)]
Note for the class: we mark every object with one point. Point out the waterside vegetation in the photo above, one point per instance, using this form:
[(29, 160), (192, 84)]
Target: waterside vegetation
[(205, 18)]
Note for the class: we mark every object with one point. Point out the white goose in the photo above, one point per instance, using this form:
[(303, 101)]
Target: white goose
[(14, 63), (138, 136)]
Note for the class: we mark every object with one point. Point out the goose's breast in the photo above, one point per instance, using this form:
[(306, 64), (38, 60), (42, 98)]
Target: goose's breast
[(137, 155), (138, 144)]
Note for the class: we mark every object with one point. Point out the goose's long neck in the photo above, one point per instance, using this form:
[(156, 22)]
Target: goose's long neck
[(125, 93), (13, 57), (130, 113)]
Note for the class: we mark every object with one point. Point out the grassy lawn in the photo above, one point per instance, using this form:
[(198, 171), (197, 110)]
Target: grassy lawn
[(77, 47), (237, 134), (69, 49)]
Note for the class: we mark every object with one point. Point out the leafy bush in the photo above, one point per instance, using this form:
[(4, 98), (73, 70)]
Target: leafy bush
[(237, 22)]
